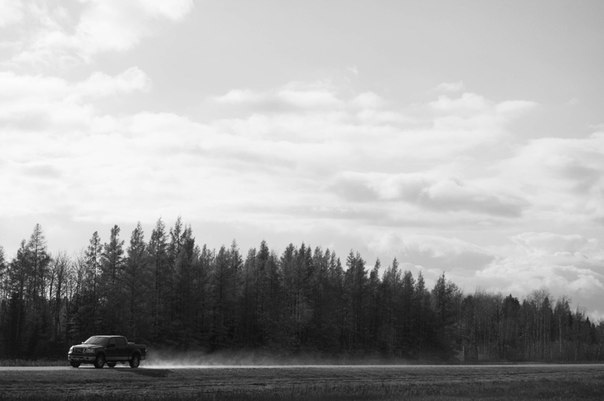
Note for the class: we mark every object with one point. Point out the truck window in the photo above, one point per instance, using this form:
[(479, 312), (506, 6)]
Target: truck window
[(97, 340), (120, 342), (111, 342)]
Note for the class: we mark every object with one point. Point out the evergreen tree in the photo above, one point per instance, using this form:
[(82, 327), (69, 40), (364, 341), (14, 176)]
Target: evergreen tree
[(4, 281), (112, 259), (391, 290), (423, 317), (135, 287), (57, 296), (446, 302), (174, 292), (161, 281), (407, 315), (38, 260), (111, 282), (14, 327), (85, 309), (186, 299), (355, 283)]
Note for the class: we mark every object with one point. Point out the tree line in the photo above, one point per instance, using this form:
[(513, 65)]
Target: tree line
[(170, 291)]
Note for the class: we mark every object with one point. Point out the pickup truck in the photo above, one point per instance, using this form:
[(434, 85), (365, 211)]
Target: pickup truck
[(111, 349)]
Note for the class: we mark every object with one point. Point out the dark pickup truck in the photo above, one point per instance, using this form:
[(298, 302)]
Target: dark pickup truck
[(99, 350)]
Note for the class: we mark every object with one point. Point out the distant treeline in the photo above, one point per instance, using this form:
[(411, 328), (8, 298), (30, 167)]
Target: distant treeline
[(170, 291)]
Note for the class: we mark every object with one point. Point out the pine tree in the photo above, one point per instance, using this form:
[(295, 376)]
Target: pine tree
[(161, 281), (186, 299), (423, 317), (58, 295), (135, 285), (446, 302), (38, 259), (357, 297), (111, 282), (4, 281)]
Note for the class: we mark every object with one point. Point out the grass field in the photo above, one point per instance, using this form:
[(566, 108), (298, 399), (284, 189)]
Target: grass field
[(513, 382)]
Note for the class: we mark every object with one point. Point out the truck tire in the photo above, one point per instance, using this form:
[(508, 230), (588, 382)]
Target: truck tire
[(75, 364), (99, 361), (135, 361)]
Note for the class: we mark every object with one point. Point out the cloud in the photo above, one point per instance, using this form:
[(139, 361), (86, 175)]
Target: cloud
[(450, 87), (240, 96), (49, 104), (565, 264), (434, 252), (453, 194), (470, 104), (99, 84), (294, 96), (76, 32), (11, 12), (334, 151), (417, 136), (17, 87), (556, 244), (562, 177), (443, 194)]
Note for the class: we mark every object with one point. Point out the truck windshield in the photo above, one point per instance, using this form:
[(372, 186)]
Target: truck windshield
[(97, 340)]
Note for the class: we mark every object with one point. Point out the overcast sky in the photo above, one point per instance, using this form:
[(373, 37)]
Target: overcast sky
[(464, 137)]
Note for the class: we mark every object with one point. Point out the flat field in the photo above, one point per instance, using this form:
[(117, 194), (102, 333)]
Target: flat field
[(501, 382)]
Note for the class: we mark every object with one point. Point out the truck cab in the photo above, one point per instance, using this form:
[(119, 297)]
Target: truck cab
[(107, 349)]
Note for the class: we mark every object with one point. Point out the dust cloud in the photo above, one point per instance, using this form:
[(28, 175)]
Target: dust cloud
[(170, 359)]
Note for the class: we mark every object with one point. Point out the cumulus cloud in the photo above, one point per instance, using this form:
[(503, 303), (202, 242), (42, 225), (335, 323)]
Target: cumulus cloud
[(17, 87), (368, 100), (76, 32), (100, 84), (303, 153), (50, 104), (565, 264), (440, 194), (468, 102), (10, 12), (560, 176), (294, 96), (453, 194), (441, 254), (556, 244), (320, 112), (471, 104), (450, 87)]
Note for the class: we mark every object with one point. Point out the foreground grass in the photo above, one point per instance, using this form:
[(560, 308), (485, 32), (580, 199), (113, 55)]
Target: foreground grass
[(32, 362), (305, 384), (570, 391)]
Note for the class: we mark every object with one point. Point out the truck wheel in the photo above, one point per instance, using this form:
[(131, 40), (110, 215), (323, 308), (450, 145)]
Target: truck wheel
[(135, 361), (111, 364), (99, 361), (75, 364)]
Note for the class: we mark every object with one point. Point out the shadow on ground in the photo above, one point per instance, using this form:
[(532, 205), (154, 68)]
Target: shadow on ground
[(148, 372)]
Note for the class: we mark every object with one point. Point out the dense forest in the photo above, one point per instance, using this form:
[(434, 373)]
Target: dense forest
[(170, 292)]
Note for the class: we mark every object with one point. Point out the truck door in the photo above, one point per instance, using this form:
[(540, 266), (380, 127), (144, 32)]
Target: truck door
[(122, 348), (111, 352)]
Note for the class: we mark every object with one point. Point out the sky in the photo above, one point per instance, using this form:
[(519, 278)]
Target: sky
[(460, 137)]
